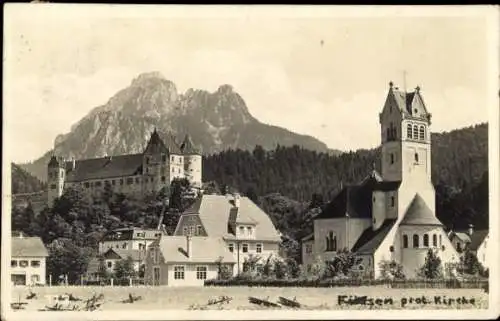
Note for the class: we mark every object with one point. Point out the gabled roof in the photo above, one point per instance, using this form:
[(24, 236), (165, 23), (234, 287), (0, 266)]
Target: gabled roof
[(309, 237), (418, 213), (123, 254), (105, 167), (28, 247), (477, 238), (204, 250), (353, 201), (387, 186), (370, 240), (170, 143), (214, 212), (126, 234), (161, 142), (463, 236), (405, 100), (188, 148)]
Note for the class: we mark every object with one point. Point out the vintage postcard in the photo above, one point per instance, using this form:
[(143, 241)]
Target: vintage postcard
[(250, 162)]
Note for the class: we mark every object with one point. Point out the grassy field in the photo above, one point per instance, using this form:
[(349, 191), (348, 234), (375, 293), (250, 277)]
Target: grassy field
[(312, 298)]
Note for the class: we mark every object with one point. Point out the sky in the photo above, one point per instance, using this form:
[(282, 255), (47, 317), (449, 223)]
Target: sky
[(323, 72)]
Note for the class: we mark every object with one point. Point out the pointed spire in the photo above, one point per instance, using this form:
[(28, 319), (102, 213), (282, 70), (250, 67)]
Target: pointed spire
[(391, 84)]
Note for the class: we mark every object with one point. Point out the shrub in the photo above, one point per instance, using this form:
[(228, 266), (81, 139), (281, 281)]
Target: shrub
[(391, 270), (432, 268)]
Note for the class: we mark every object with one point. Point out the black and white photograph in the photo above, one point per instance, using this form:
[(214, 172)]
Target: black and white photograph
[(250, 162)]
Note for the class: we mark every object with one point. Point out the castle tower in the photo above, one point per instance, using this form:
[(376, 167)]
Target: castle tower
[(406, 146), (156, 164), (55, 179), (192, 162)]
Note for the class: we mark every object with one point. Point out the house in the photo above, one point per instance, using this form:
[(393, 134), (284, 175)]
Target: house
[(28, 261), (112, 256), (132, 238), (186, 260), (388, 215), (244, 227), (163, 160), (474, 240)]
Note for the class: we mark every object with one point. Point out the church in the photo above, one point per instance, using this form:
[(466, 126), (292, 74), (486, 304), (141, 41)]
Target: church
[(162, 161), (388, 215)]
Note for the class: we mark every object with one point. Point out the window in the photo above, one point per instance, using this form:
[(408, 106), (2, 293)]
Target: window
[(147, 160), (201, 272), (185, 230), (249, 230), (147, 170), (392, 201), (408, 131), (422, 133), (361, 267), (440, 240), (130, 181), (53, 186), (35, 263), (434, 240), (309, 248), (231, 247), (426, 240), (331, 242), (415, 241), (244, 248), (98, 183), (121, 181), (163, 179), (110, 264), (392, 158), (405, 241), (416, 158), (141, 246), (124, 246), (242, 230), (23, 263), (179, 272), (113, 182), (173, 158), (163, 158), (258, 248), (86, 184), (199, 230), (415, 131), (459, 246), (391, 248), (137, 180), (106, 182), (13, 263)]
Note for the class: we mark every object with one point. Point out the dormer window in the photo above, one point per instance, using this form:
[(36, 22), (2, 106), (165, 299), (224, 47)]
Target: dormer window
[(249, 230)]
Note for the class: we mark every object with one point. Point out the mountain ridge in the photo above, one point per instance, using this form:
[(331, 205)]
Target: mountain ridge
[(216, 121)]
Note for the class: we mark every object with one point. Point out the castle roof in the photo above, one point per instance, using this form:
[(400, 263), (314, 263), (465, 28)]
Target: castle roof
[(418, 213), (188, 148), (162, 142), (370, 239), (216, 212), (28, 247), (104, 167)]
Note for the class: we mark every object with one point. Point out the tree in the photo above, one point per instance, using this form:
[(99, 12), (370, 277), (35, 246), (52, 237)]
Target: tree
[(292, 267), (66, 258), (223, 270), (124, 268), (342, 264), (432, 268), (280, 269), (469, 263), (250, 263), (390, 270)]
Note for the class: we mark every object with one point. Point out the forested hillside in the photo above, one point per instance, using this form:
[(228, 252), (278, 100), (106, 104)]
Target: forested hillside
[(24, 182)]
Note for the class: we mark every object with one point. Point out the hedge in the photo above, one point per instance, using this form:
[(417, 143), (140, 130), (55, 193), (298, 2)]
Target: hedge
[(446, 283)]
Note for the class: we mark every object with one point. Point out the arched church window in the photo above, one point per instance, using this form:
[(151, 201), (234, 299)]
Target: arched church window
[(408, 131), (415, 241), (415, 131), (392, 158), (426, 240), (422, 133), (331, 242), (434, 240), (392, 201), (440, 240), (405, 241), (416, 157), (388, 134)]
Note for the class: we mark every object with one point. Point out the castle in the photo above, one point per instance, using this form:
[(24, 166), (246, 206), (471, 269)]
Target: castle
[(388, 216), (162, 161)]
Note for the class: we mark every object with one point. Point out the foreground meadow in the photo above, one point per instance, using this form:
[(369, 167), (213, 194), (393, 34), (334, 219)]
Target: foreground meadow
[(312, 298)]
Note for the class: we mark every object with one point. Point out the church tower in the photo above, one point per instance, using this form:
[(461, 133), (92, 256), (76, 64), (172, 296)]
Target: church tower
[(192, 162), (406, 145), (55, 179)]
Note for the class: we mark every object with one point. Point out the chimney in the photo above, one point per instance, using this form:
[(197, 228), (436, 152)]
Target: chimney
[(73, 163), (236, 200), (470, 230), (189, 246)]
